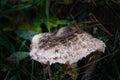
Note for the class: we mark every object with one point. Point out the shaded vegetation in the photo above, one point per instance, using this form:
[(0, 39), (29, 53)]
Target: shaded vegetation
[(21, 19)]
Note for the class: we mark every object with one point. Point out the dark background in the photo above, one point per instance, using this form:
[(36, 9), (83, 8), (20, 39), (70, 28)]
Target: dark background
[(21, 19)]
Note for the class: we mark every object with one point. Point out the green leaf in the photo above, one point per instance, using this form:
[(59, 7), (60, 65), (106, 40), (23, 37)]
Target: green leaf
[(25, 34), (54, 22), (21, 6), (36, 25), (67, 2), (3, 2), (4, 41), (44, 8), (14, 77), (18, 56)]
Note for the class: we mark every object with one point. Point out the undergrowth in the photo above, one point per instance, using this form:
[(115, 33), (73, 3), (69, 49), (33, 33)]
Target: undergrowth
[(20, 20)]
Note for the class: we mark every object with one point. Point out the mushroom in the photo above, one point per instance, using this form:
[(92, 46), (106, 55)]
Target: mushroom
[(66, 46)]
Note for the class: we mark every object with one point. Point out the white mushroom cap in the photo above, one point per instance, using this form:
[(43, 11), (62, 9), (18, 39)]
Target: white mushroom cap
[(45, 47)]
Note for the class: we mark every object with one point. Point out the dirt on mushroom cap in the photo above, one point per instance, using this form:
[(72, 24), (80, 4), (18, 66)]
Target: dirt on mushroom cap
[(72, 48)]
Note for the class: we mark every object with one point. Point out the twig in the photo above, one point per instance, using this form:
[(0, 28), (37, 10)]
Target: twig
[(73, 6), (116, 39), (93, 18), (93, 2), (7, 75), (91, 68), (49, 71)]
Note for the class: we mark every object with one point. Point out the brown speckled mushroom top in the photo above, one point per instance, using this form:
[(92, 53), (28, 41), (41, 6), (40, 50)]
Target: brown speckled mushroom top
[(67, 45)]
